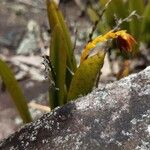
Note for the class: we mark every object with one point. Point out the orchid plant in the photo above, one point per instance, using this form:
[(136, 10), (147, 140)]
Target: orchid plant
[(66, 80), (70, 81)]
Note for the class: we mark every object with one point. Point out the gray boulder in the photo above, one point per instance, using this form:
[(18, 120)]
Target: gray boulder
[(112, 117)]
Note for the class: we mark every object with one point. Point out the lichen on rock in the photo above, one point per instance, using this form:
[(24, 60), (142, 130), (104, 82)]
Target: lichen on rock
[(114, 117)]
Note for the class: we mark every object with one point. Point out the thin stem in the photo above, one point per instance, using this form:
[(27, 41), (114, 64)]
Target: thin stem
[(119, 22), (97, 21)]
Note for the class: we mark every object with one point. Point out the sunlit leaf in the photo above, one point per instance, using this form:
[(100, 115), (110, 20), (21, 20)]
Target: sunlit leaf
[(15, 92), (85, 76)]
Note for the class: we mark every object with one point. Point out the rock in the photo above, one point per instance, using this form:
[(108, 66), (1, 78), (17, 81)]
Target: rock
[(112, 117), (29, 44)]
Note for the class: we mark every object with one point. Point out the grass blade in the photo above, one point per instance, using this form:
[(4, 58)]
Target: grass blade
[(58, 58), (56, 18), (15, 92)]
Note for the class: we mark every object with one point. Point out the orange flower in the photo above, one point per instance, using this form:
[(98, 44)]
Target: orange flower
[(125, 42)]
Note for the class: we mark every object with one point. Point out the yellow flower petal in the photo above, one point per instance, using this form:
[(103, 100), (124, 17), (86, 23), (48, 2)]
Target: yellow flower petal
[(124, 39)]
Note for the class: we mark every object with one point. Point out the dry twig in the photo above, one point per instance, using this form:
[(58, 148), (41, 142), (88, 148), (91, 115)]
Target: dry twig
[(39, 107)]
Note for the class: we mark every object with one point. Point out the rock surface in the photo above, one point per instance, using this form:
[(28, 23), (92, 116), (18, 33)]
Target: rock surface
[(114, 117)]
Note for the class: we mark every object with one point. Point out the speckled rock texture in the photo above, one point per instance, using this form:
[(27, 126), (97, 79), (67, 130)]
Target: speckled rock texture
[(114, 117)]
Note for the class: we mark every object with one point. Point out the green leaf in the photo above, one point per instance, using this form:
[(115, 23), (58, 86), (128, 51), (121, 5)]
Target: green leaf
[(58, 58), (85, 76), (146, 25), (15, 92), (56, 19), (135, 24)]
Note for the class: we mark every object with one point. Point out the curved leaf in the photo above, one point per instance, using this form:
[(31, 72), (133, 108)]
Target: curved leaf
[(56, 19), (85, 76), (15, 92)]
